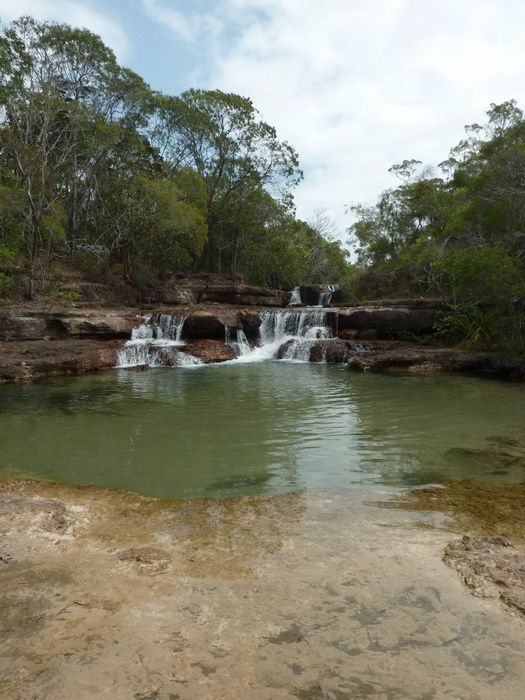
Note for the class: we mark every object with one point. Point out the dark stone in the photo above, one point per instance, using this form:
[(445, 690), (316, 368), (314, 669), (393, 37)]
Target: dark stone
[(388, 319)]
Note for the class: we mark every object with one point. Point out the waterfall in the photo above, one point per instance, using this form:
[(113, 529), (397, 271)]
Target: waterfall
[(240, 345), (283, 334), (296, 297), (325, 298), (156, 342), (287, 335)]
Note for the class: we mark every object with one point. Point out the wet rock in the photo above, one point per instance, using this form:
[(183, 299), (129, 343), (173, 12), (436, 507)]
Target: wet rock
[(420, 360), (291, 635), (210, 323), (26, 360), (332, 351), (250, 322), (491, 568), (209, 350)]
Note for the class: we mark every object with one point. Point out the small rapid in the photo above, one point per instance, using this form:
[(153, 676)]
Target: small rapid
[(157, 342), (283, 334)]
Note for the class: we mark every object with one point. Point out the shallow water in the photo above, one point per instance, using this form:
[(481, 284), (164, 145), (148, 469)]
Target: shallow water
[(261, 429)]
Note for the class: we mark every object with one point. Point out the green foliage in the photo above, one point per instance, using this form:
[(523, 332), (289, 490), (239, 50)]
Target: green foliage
[(97, 167), (461, 236), (57, 296), (7, 257)]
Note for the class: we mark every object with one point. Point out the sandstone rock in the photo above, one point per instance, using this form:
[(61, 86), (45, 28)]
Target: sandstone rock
[(388, 319), (250, 322), (15, 327), (38, 324), (419, 360), (208, 287), (25, 360), (332, 351), (104, 326), (210, 351), (210, 324)]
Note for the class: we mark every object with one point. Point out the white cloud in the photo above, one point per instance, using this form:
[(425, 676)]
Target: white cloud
[(357, 85), (78, 14)]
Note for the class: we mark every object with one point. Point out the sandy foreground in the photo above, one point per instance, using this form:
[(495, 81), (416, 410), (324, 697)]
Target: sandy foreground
[(106, 594)]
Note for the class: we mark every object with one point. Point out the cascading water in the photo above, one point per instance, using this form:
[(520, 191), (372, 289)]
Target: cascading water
[(283, 334), (240, 344), (157, 342), (295, 299), (287, 335)]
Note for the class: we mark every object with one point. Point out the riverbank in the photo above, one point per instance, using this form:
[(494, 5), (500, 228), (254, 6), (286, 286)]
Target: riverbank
[(38, 341), (110, 594)]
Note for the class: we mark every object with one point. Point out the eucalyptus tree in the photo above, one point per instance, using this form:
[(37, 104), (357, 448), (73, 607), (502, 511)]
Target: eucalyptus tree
[(35, 136), (221, 136)]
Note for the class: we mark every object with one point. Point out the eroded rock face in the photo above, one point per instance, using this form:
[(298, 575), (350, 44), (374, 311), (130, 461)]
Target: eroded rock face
[(26, 360), (388, 319), (208, 287), (212, 323), (40, 324), (419, 360)]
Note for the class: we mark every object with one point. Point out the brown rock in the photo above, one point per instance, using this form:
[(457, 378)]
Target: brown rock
[(210, 350), (491, 568), (419, 360), (389, 319), (25, 360)]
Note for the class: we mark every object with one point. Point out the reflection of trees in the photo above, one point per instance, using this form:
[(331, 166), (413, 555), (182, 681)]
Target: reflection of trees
[(235, 429)]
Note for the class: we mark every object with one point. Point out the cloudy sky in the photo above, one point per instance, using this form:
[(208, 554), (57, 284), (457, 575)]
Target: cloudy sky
[(353, 85)]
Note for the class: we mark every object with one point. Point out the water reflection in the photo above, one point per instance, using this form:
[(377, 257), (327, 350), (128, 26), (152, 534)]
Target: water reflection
[(261, 429)]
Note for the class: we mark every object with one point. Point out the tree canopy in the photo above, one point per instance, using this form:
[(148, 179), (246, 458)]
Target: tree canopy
[(458, 232), (99, 169)]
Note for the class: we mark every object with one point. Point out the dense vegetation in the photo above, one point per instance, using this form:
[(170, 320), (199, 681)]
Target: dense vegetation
[(98, 169), (458, 234), (130, 185)]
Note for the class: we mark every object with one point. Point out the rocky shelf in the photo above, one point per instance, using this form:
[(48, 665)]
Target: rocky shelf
[(36, 341)]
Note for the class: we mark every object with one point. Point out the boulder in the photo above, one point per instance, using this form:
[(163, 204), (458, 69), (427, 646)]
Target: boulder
[(332, 351), (250, 322)]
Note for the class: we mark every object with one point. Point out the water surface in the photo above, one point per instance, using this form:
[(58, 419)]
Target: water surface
[(261, 429)]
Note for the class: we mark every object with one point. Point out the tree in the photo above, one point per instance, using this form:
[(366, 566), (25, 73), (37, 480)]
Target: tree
[(222, 138)]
